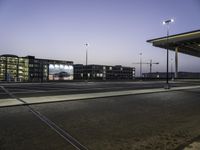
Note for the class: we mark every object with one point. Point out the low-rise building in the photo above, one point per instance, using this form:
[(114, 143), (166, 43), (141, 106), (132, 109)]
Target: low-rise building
[(103, 72), (31, 69)]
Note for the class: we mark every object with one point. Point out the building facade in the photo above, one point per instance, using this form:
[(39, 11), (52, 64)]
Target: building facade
[(171, 75), (103, 72), (31, 69)]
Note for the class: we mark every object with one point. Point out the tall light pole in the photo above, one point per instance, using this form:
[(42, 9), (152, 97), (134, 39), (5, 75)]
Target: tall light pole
[(167, 22), (172, 69), (150, 66), (140, 65), (86, 61)]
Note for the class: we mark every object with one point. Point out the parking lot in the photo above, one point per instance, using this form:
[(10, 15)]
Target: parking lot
[(163, 121), (62, 88)]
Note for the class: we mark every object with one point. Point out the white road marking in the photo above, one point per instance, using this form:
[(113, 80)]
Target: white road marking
[(65, 135)]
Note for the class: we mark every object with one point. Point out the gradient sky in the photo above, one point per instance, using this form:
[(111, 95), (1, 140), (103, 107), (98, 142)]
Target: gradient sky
[(116, 30)]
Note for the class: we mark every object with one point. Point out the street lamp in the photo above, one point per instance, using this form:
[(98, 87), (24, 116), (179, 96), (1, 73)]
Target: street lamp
[(167, 22), (86, 61)]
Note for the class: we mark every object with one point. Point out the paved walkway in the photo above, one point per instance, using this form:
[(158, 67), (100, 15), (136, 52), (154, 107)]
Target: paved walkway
[(70, 97)]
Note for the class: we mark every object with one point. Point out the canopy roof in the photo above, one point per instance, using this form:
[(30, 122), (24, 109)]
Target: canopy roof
[(188, 42)]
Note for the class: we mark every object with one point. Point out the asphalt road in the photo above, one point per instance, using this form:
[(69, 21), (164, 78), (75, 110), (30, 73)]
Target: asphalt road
[(46, 89), (157, 121)]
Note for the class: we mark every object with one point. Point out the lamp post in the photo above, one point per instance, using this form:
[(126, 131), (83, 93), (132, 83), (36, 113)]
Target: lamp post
[(167, 22), (172, 69), (140, 65), (86, 61)]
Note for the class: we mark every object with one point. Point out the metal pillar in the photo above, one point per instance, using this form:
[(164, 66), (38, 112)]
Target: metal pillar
[(176, 62), (140, 65), (167, 72), (150, 66), (86, 61)]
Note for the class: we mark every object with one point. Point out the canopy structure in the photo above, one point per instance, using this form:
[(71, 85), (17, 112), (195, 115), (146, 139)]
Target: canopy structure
[(187, 43)]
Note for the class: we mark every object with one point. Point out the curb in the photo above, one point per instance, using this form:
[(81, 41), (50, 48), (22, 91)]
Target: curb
[(73, 97)]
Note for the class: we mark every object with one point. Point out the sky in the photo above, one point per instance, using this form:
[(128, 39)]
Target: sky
[(116, 30)]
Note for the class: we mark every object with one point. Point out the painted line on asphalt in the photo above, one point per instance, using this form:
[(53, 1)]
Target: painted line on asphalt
[(71, 97), (65, 135), (67, 90), (12, 96)]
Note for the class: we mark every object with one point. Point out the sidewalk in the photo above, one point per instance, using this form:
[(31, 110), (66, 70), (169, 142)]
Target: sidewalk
[(57, 98)]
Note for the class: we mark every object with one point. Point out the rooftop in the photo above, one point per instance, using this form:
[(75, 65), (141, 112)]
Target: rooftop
[(188, 42)]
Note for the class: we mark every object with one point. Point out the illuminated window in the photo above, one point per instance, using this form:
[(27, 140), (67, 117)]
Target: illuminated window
[(70, 67), (56, 66), (51, 66), (61, 66), (66, 67)]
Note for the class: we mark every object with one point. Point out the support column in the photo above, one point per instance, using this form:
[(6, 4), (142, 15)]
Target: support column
[(176, 62)]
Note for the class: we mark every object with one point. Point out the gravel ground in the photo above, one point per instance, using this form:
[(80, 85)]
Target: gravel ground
[(158, 121)]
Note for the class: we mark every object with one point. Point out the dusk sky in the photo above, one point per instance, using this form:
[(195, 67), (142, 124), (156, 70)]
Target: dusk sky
[(116, 30)]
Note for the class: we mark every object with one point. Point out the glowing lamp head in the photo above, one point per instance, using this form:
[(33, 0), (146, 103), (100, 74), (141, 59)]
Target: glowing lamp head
[(163, 23), (168, 21)]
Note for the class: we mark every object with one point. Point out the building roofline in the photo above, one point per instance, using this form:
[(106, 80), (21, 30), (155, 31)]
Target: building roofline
[(174, 36), (106, 65), (8, 55), (46, 59), (33, 57)]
